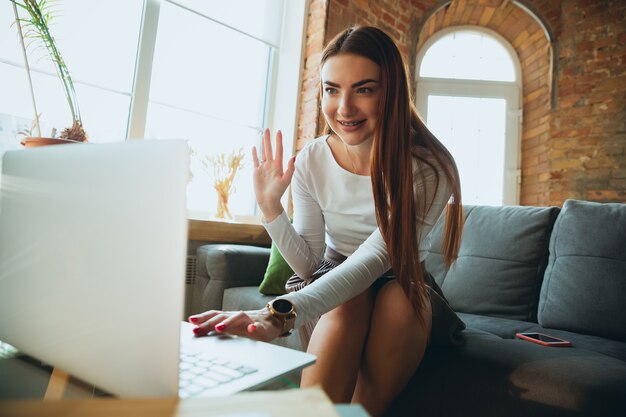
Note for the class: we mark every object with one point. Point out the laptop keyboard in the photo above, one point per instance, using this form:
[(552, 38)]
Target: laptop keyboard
[(200, 372)]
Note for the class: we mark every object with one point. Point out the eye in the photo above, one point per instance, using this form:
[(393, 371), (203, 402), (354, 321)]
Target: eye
[(365, 90), (330, 90)]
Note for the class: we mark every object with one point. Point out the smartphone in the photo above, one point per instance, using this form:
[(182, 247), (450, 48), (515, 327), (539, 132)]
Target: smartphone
[(543, 339)]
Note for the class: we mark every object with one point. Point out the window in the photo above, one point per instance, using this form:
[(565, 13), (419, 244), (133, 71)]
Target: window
[(101, 61), (468, 91), (201, 71)]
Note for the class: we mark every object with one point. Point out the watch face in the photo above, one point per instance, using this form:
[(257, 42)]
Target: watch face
[(282, 306)]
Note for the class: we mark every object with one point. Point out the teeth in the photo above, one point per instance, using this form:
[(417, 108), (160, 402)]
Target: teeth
[(349, 123)]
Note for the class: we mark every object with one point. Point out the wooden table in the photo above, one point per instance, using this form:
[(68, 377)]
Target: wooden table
[(47, 392), (311, 402)]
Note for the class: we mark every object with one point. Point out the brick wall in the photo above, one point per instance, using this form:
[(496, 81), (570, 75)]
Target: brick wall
[(309, 120), (533, 49), (573, 133), (588, 124)]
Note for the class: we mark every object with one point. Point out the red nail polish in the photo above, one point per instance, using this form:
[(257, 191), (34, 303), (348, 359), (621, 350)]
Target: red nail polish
[(196, 330), (251, 328), (193, 319), (220, 327)]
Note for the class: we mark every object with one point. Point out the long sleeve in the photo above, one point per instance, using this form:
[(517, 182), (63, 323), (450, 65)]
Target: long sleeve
[(347, 280), (301, 245), (370, 260)]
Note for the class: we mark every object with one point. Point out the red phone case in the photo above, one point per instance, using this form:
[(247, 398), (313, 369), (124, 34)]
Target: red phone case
[(557, 343)]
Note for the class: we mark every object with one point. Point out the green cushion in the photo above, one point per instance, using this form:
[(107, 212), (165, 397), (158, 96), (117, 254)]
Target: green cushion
[(276, 274)]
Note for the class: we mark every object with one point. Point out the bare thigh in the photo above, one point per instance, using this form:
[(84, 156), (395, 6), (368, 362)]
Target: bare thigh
[(338, 341), (395, 347)]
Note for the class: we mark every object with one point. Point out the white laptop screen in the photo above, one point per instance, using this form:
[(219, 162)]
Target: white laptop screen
[(92, 250)]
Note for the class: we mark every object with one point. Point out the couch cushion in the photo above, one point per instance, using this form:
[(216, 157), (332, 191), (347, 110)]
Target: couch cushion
[(585, 283), (503, 328), (276, 275), (488, 376), (501, 262), (584, 342), (506, 329), (244, 298)]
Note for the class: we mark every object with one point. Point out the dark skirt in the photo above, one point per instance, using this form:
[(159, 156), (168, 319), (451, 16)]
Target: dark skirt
[(446, 327)]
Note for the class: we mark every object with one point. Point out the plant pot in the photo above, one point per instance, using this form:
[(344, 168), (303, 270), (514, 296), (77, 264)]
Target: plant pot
[(34, 142)]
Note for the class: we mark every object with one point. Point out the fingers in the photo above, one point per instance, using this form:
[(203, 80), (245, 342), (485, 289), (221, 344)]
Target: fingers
[(255, 158), (234, 323), (267, 154), (279, 147), (207, 321), (260, 331), (237, 324), (266, 146), (256, 325), (291, 167), (203, 317)]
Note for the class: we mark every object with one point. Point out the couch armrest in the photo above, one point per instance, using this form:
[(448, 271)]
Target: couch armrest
[(222, 266)]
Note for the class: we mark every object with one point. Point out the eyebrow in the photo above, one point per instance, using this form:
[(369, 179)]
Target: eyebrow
[(357, 84)]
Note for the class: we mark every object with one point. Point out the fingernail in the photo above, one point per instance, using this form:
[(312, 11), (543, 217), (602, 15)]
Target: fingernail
[(196, 330), (193, 319), (251, 328), (220, 327)]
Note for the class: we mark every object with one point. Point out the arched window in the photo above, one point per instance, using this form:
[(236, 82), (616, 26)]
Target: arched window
[(468, 91)]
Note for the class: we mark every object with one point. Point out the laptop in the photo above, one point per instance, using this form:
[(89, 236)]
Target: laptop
[(92, 258)]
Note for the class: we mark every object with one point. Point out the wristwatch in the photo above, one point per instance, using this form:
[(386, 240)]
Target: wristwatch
[(285, 312)]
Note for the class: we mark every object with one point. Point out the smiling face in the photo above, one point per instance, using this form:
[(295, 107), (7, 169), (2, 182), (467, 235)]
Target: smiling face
[(351, 96)]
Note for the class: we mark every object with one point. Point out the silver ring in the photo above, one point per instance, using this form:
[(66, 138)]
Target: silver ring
[(262, 161)]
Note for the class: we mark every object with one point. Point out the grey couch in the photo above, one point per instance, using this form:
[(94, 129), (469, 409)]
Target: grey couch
[(545, 269)]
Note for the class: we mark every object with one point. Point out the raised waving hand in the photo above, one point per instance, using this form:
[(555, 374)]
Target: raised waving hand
[(270, 180)]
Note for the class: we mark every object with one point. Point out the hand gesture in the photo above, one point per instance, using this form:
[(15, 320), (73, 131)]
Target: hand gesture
[(270, 181), (254, 324)]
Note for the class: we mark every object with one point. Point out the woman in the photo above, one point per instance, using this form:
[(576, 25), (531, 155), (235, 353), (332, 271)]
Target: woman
[(366, 197)]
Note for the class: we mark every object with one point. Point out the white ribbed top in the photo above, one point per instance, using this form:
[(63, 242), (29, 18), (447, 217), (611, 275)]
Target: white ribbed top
[(335, 207)]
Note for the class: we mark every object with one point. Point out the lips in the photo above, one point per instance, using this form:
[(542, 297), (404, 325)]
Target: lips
[(349, 126), (350, 123)]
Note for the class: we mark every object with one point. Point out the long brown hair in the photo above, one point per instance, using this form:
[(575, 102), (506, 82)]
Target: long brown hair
[(398, 135)]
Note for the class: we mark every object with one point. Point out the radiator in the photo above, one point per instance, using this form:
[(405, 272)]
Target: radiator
[(190, 280)]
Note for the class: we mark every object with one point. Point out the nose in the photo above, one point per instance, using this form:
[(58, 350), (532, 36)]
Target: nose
[(346, 106)]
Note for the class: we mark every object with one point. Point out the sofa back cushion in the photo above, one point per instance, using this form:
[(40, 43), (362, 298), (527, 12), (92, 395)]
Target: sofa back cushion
[(503, 256), (585, 283)]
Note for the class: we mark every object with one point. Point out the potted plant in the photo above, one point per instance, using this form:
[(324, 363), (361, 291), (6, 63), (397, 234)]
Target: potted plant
[(37, 27)]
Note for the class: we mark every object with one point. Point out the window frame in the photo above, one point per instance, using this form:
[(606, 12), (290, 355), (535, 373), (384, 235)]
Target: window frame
[(511, 92), (284, 76), (282, 100)]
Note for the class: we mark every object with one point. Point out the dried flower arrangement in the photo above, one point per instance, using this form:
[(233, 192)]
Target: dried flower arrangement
[(37, 25), (224, 168)]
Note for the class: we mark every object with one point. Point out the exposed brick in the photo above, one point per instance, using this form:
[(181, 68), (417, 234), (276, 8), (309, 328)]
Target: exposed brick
[(537, 169), (619, 173), (617, 184), (566, 164), (588, 114), (607, 196), (538, 130), (474, 17), (389, 19)]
